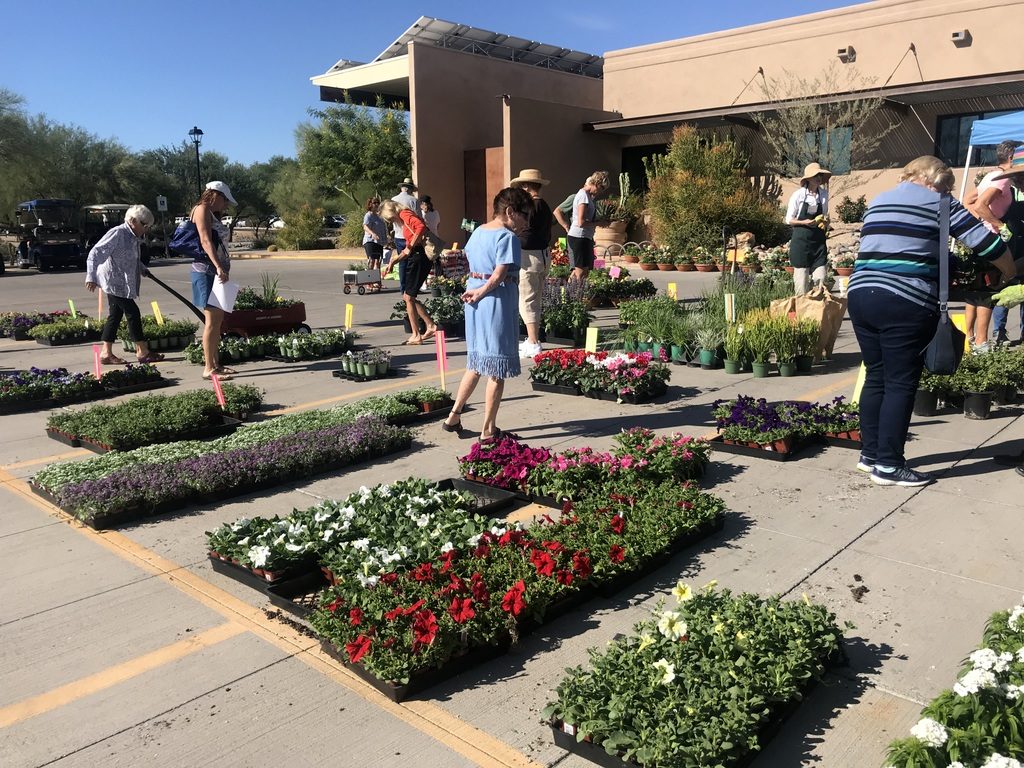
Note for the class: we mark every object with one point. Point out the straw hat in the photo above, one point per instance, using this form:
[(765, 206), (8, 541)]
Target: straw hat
[(1016, 165), (407, 182), (529, 176), (813, 170)]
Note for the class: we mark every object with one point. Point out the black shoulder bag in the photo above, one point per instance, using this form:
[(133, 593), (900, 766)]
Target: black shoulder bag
[(943, 354)]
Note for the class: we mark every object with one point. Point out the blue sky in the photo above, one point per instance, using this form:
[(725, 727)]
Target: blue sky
[(145, 72)]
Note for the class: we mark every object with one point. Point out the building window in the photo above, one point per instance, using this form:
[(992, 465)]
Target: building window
[(830, 147), (953, 136)]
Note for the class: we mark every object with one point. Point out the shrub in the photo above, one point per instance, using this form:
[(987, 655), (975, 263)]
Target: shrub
[(350, 235), (852, 211), (302, 230), (702, 188)]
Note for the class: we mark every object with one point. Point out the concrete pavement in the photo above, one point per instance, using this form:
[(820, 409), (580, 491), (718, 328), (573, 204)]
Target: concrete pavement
[(124, 646)]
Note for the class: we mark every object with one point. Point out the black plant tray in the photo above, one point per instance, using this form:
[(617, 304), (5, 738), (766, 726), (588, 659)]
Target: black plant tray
[(425, 416), (226, 427), (288, 595), (356, 377), (473, 485), (308, 359), (245, 576), (632, 398), (558, 389), (687, 539), (564, 341), (144, 386), (89, 336), (135, 512), (597, 754), (842, 442), (489, 499), (60, 437), (423, 680), (800, 445)]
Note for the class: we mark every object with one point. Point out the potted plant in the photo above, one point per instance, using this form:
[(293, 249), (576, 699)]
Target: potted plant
[(684, 263), (665, 260), (786, 345), (808, 332), (760, 340), (703, 260), (751, 261), (648, 259), (843, 264), (735, 348), (631, 253), (929, 389), (974, 379), (709, 336), (682, 340)]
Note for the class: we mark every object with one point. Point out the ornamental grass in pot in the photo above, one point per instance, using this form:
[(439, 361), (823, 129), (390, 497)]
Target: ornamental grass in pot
[(735, 348)]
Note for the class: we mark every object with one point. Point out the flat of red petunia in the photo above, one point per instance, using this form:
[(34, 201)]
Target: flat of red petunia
[(355, 617), (513, 601), (424, 629), (461, 610), (617, 553), (358, 648)]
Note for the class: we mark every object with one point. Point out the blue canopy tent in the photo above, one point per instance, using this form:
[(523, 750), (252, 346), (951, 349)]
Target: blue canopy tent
[(992, 131)]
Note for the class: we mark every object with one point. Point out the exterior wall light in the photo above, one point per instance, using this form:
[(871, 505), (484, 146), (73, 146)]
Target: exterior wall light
[(961, 38), (847, 55)]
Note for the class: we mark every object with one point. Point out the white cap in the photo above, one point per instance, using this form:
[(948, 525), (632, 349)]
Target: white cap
[(220, 186)]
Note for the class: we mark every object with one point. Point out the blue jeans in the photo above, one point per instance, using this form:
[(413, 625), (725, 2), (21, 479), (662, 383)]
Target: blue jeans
[(202, 286), (892, 333)]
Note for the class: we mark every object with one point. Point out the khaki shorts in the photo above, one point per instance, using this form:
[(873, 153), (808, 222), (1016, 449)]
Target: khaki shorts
[(531, 284)]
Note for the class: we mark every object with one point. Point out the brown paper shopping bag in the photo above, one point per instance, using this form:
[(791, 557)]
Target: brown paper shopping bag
[(828, 309)]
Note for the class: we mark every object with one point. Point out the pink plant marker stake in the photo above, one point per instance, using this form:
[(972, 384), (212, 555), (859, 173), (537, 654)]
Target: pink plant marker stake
[(96, 360), (218, 390)]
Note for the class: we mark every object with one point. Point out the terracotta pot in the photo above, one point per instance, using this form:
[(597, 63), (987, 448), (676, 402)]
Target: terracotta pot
[(788, 269), (647, 267), (666, 267), (844, 271), (685, 267), (630, 259), (705, 267), (782, 446)]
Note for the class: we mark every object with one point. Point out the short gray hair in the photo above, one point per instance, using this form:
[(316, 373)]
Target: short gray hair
[(140, 214)]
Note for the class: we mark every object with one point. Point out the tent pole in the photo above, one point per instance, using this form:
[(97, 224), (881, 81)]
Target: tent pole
[(967, 168)]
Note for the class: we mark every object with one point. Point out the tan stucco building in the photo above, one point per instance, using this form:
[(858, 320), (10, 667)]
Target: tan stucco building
[(483, 105)]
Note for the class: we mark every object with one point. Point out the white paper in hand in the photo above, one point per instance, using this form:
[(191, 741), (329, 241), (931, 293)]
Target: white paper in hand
[(223, 295)]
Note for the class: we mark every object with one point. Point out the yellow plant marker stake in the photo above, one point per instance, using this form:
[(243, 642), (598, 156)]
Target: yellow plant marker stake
[(71, 304), (592, 333), (960, 321), (861, 376), (157, 313), (671, 291), (348, 317)]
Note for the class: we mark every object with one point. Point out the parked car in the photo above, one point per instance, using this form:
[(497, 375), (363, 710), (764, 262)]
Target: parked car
[(276, 222), (48, 236), (334, 221)]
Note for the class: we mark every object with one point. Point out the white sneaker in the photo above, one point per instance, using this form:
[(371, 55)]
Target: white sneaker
[(526, 349)]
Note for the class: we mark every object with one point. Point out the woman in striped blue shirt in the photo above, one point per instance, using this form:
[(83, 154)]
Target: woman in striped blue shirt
[(894, 307)]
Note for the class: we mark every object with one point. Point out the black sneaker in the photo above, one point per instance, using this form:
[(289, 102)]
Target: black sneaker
[(904, 477), (864, 464), (1002, 338)]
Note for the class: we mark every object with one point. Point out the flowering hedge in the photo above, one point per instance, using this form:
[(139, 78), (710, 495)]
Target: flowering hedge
[(371, 532), (746, 419), (639, 456), (621, 372), (980, 722), (696, 684), (485, 591)]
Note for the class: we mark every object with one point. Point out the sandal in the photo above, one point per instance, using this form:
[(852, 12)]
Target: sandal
[(220, 376), (413, 342), (152, 357), (429, 333), (456, 427), (112, 360), (223, 370)]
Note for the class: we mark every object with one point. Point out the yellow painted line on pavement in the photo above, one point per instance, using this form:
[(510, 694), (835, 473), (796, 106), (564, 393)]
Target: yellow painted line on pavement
[(119, 673), (475, 745), (48, 459)]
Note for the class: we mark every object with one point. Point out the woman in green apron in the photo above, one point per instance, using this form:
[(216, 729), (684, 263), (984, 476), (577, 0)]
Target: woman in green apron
[(807, 213)]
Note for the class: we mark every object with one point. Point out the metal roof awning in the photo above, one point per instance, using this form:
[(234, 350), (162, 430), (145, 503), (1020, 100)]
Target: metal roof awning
[(1009, 84), (387, 76)]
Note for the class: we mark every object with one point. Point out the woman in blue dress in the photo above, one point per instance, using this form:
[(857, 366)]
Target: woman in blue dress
[(492, 308)]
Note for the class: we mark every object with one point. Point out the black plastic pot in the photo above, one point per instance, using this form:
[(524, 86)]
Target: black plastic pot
[(1004, 394), (925, 403), (804, 363), (977, 405)]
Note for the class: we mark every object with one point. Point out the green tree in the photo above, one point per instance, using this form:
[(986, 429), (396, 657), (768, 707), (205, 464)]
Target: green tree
[(701, 186), (351, 147)]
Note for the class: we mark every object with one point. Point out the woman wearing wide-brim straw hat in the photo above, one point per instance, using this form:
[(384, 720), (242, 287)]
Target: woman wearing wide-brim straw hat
[(808, 252), (535, 259)]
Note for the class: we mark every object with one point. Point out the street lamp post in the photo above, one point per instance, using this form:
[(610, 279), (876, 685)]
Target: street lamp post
[(196, 134)]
